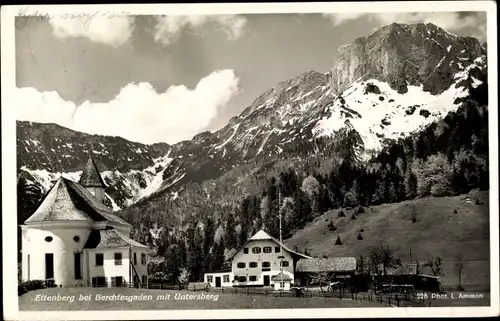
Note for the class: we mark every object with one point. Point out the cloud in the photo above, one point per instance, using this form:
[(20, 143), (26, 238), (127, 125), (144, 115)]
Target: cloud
[(450, 21), (169, 28), (111, 30), (138, 112)]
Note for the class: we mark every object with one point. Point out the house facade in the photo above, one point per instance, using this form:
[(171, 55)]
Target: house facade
[(259, 263), (74, 239)]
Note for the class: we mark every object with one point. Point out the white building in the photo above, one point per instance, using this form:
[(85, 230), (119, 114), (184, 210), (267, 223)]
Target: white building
[(76, 240), (258, 263)]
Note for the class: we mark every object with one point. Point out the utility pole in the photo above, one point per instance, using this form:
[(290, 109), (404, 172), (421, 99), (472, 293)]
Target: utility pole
[(281, 240)]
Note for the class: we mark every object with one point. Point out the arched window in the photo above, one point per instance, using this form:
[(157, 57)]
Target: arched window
[(48, 239)]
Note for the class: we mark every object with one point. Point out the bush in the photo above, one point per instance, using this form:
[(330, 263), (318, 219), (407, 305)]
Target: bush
[(50, 284), (350, 200), (455, 211), (341, 213), (21, 289), (338, 241), (359, 210), (361, 230), (331, 226), (360, 237), (353, 217), (440, 189), (31, 285)]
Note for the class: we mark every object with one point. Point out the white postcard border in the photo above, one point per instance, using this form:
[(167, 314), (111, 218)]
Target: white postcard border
[(10, 298)]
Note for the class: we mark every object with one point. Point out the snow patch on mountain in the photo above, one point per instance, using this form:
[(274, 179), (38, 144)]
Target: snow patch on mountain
[(155, 178), (46, 179), (388, 114)]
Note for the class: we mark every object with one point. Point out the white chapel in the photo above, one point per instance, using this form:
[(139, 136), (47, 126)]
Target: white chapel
[(74, 239)]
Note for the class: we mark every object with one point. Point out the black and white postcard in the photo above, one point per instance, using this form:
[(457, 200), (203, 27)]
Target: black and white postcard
[(250, 160)]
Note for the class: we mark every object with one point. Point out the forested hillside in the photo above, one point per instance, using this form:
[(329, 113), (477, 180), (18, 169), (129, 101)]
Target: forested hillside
[(207, 222)]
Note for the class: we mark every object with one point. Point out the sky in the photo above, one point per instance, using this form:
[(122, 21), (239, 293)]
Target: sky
[(166, 78)]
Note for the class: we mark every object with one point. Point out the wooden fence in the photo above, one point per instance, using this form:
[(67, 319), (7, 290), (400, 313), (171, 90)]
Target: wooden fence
[(409, 299)]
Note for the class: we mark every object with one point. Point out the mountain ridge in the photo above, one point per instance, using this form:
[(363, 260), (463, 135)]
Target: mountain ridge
[(285, 120)]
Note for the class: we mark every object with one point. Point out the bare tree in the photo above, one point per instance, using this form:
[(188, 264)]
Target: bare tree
[(382, 255), (363, 266), (459, 268), (436, 265), (323, 278)]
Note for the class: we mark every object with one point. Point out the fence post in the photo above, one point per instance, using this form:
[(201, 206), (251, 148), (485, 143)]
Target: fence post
[(248, 290)]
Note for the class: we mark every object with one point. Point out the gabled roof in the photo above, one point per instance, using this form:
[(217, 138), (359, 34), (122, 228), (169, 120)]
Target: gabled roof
[(108, 238), (262, 235), (281, 276), (91, 176), (337, 264), (69, 201)]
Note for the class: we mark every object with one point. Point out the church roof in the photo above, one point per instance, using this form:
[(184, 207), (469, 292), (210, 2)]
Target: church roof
[(262, 235), (91, 176), (69, 201), (107, 238)]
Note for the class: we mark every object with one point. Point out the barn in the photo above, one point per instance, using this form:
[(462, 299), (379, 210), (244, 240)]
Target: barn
[(312, 271)]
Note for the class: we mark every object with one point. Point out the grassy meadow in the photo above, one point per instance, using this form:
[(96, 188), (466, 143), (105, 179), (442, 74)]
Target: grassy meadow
[(445, 226), (28, 302)]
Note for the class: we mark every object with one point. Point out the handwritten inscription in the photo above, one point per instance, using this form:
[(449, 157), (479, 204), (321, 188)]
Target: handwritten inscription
[(86, 17)]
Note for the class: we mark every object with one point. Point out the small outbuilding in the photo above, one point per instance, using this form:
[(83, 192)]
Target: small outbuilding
[(281, 281), (340, 269)]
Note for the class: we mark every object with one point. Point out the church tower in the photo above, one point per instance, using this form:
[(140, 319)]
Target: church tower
[(92, 180)]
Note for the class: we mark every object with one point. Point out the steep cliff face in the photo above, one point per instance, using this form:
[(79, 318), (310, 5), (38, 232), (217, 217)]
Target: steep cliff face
[(406, 55)]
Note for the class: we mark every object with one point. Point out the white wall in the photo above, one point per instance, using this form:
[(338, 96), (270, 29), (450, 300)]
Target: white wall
[(259, 258), (221, 275), (62, 247), (142, 269), (108, 269)]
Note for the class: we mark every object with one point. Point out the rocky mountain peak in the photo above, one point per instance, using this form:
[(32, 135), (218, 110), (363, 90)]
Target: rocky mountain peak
[(406, 55)]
